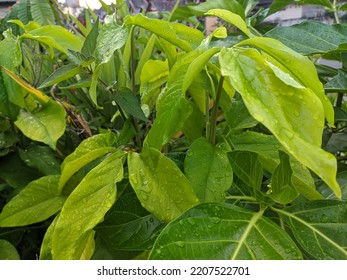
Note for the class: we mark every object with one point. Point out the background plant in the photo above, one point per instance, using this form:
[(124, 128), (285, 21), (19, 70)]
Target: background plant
[(141, 137)]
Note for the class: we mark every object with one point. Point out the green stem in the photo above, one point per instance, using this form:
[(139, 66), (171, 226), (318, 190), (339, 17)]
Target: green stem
[(241, 197), (215, 112), (339, 100), (255, 31), (337, 19), (174, 9)]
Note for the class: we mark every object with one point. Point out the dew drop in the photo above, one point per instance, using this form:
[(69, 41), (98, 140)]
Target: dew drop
[(258, 68), (288, 133), (181, 222), (296, 113), (191, 221), (324, 218), (180, 244)]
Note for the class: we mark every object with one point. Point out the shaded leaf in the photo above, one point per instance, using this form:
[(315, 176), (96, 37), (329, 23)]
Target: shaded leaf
[(38, 201), (338, 83), (8, 251), (159, 184), (89, 44), (41, 12), (222, 232), (130, 104), (61, 74), (208, 170), (85, 208), (320, 227)]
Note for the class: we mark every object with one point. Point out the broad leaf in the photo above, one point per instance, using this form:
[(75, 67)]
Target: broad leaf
[(232, 18), (89, 150), (35, 203), (41, 158), (282, 188), (280, 4), (46, 246), (8, 251), (320, 227), (130, 104), (267, 147), (310, 37), (338, 83), (177, 34), (299, 68), (46, 125), (208, 170), (86, 206), (238, 116), (342, 180), (295, 116), (159, 184), (223, 232), (247, 167), (128, 226), (61, 74), (41, 12), (89, 44)]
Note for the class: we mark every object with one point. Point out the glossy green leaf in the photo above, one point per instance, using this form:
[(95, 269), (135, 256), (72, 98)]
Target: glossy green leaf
[(320, 227), (277, 5), (130, 104), (46, 246), (232, 18), (61, 74), (35, 203), (8, 251), (238, 117), (159, 184), (80, 84), (41, 12), (310, 37), (177, 34), (46, 125), (328, 194), (89, 150), (86, 206), (247, 167), (208, 170), (272, 102), (299, 69), (111, 37), (196, 66), (198, 10), (128, 226), (89, 44), (41, 158), (10, 57), (223, 232), (282, 190)]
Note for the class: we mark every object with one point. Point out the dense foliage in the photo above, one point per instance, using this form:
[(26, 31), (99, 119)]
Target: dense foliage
[(139, 136)]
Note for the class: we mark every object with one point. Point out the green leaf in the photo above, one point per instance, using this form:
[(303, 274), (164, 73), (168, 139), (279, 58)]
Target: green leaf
[(35, 203), (208, 170), (320, 227), (282, 188), (328, 194), (86, 206), (10, 57), (46, 125), (223, 232), (180, 35), (295, 116), (338, 83), (41, 12), (159, 184), (130, 104), (46, 246), (310, 37), (200, 9), (89, 44), (111, 37), (41, 158), (232, 18), (128, 226), (247, 167), (8, 251), (299, 69), (55, 36), (280, 4), (238, 116), (267, 147), (61, 74), (89, 150), (196, 66)]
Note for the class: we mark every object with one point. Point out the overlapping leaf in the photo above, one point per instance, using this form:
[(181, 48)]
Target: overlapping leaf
[(273, 102), (223, 232)]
